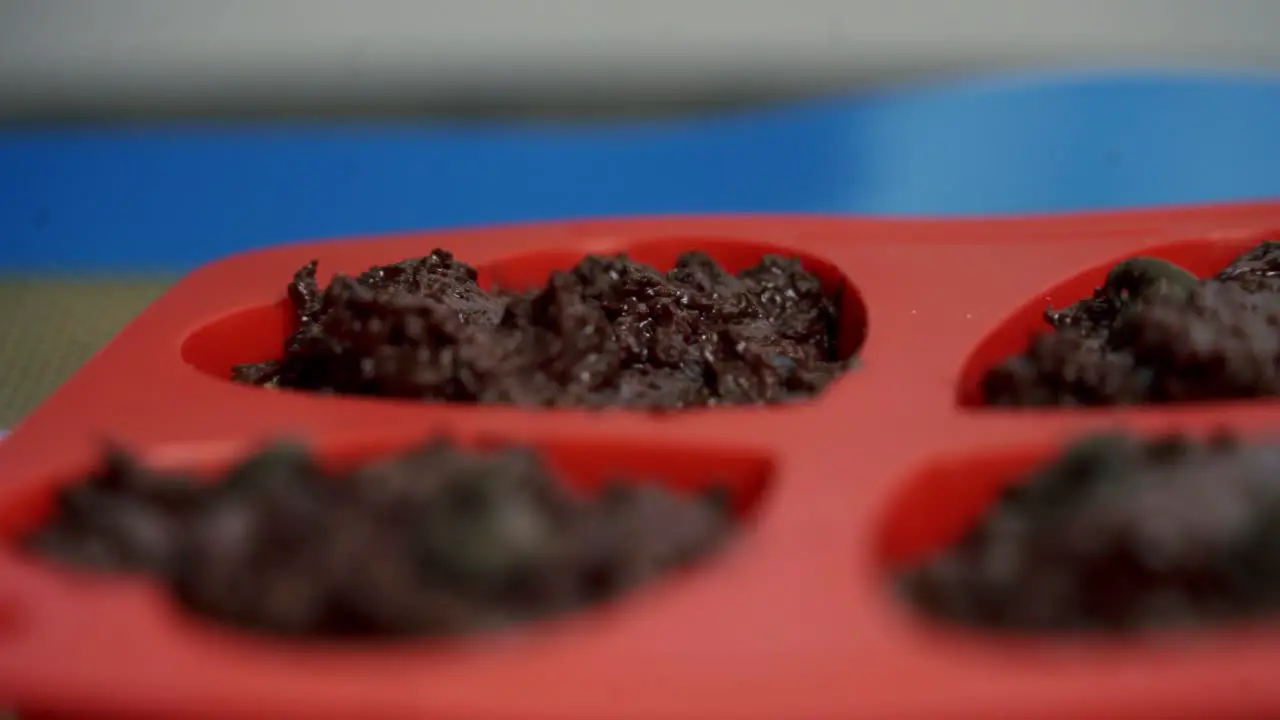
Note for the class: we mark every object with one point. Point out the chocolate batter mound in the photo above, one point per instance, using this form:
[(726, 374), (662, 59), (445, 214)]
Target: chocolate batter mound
[(609, 332), (1119, 534), (1154, 333), (436, 541)]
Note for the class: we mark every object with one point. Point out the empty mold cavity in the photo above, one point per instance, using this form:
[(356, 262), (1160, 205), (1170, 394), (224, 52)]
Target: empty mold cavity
[(947, 497), (258, 334), (465, 537), (1014, 336), (1109, 533)]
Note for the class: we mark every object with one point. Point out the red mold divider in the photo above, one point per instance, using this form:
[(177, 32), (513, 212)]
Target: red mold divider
[(797, 619)]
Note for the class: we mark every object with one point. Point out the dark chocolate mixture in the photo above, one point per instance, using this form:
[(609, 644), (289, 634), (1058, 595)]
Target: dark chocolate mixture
[(609, 332), (1154, 333), (437, 541), (1119, 534)]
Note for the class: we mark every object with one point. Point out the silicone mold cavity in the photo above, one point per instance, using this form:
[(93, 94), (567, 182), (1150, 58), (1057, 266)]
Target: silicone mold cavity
[(128, 600), (250, 335), (258, 333), (1204, 258), (943, 499)]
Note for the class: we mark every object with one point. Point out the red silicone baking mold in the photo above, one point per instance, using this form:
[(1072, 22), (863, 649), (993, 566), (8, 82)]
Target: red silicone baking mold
[(795, 620)]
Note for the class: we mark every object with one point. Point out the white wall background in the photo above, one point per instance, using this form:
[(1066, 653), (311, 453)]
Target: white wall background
[(171, 54)]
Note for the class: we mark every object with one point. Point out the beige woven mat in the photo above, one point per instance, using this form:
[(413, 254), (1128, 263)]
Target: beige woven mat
[(49, 328)]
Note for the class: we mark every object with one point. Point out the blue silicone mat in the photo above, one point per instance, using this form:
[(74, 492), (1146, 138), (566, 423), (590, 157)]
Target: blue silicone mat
[(169, 197)]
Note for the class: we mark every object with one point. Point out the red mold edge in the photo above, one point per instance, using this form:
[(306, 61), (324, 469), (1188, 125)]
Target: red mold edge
[(258, 333), (1204, 257)]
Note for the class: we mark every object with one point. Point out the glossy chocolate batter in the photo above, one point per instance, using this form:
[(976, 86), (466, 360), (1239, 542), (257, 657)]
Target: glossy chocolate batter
[(1154, 333), (609, 332)]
